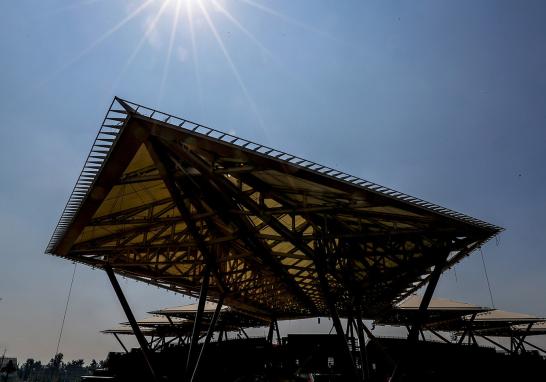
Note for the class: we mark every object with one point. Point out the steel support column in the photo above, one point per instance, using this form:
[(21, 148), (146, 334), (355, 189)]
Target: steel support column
[(131, 318), (413, 335), (270, 332), (121, 343), (534, 346), (362, 346), (521, 339), (277, 331), (208, 337), (197, 323), (420, 319), (335, 318), (495, 343), (468, 328), (439, 336)]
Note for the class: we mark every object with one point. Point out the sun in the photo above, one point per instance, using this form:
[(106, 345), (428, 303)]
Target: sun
[(170, 21)]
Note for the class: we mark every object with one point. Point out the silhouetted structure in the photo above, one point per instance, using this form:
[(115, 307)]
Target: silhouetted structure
[(176, 204)]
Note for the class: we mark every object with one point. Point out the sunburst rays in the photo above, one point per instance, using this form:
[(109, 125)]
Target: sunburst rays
[(167, 63), (186, 29), (99, 40)]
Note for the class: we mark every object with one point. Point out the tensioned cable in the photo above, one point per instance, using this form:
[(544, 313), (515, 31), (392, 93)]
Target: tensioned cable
[(487, 278), (66, 309)]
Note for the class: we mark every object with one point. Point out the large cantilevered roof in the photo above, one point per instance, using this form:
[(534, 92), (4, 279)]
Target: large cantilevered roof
[(165, 200)]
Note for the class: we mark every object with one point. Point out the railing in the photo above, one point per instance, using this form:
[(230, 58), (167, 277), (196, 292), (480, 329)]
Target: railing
[(100, 150)]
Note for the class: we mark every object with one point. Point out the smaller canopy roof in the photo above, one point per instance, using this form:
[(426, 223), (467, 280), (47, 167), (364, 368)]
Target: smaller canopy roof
[(156, 326), (439, 310), (155, 321), (127, 330), (503, 316), (188, 311), (228, 316), (527, 329), (501, 323), (413, 302), (490, 322)]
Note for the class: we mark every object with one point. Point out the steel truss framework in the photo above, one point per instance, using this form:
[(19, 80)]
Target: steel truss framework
[(174, 203)]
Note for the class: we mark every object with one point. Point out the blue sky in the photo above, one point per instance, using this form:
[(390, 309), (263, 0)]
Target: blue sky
[(441, 100)]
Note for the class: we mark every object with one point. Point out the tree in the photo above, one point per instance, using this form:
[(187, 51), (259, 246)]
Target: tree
[(94, 365)]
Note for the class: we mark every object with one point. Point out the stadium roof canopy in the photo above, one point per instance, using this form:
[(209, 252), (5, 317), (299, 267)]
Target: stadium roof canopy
[(439, 311), (164, 200)]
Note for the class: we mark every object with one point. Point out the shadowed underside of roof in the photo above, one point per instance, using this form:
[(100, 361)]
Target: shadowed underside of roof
[(161, 199)]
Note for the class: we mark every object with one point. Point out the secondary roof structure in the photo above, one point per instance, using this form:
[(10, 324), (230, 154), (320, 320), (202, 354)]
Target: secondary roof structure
[(127, 330), (229, 317), (439, 312), (165, 200), (501, 320), (527, 329), (490, 322)]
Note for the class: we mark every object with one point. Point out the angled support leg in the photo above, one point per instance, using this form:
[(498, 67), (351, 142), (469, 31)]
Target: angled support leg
[(131, 318), (362, 346), (521, 339), (535, 347), (121, 343), (439, 336), (413, 335), (197, 323), (495, 343), (468, 330), (271, 330), (337, 322), (210, 332)]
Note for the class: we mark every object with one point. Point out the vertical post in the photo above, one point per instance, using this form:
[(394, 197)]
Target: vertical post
[(221, 333), (271, 329), (197, 323), (277, 331), (131, 318), (352, 335), (209, 336)]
